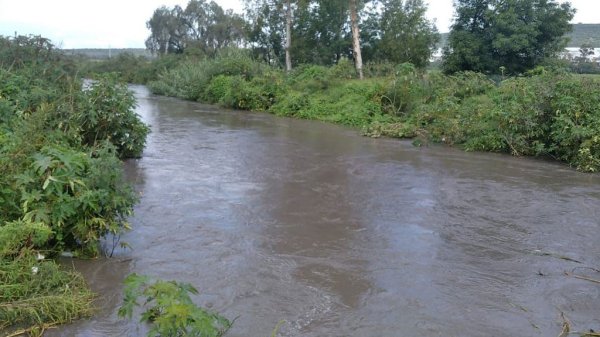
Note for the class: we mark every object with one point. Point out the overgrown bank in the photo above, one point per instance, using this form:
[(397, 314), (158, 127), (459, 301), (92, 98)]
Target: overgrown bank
[(546, 113), (61, 187)]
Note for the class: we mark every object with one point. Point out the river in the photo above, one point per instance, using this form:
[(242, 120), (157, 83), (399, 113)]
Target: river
[(341, 235)]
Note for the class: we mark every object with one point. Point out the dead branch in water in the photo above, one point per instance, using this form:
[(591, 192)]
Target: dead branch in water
[(582, 277), (566, 326)]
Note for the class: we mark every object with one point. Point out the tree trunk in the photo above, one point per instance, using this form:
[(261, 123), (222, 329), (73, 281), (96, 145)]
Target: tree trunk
[(356, 38), (288, 36)]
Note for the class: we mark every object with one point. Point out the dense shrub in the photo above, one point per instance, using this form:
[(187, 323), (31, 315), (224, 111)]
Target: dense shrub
[(108, 114), (61, 186)]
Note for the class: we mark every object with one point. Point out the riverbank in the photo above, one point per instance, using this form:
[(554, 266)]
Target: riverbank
[(62, 189), (284, 219), (546, 113)]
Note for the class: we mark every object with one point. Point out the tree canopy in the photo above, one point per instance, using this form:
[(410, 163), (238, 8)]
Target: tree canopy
[(202, 25), (514, 34)]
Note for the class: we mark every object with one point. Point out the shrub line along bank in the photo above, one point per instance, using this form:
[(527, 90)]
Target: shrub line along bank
[(61, 186), (546, 113)]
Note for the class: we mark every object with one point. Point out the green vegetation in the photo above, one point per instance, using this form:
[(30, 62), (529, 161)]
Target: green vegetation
[(103, 54), (541, 113), (169, 309), (515, 35), (61, 186), (548, 113)]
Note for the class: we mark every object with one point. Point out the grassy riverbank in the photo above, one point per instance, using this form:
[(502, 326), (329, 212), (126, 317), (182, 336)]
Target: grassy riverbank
[(61, 187), (546, 113)]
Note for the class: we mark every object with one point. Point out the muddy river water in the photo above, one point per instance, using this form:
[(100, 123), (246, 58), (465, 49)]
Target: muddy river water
[(335, 234)]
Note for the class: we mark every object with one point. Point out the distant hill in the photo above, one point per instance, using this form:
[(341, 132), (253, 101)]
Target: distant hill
[(99, 54), (585, 32), (582, 33)]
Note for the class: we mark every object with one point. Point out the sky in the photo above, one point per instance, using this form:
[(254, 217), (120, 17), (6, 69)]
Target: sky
[(122, 23)]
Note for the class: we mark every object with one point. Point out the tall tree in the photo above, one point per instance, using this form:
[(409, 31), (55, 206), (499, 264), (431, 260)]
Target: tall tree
[(356, 38), (167, 31), (514, 34), (267, 29), (202, 25), (405, 34), (321, 32), (288, 35)]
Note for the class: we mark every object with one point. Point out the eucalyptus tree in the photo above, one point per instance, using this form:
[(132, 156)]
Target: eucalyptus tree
[(202, 25), (271, 25), (356, 37), (515, 35), (167, 31)]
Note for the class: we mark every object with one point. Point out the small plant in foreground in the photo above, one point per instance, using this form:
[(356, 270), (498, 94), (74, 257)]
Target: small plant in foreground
[(170, 310)]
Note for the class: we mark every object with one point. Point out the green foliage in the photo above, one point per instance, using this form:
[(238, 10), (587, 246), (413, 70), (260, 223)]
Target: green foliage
[(191, 79), (401, 33), (169, 309), (202, 25), (19, 235), (36, 294), (548, 113), (128, 67), (575, 127), (61, 186), (81, 197), (515, 34), (108, 115)]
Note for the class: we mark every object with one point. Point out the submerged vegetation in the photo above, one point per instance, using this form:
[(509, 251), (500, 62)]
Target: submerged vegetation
[(169, 309), (61, 187)]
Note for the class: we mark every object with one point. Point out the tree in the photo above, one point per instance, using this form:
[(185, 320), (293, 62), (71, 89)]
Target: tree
[(405, 34), (586, 51), (320, 32), (167, 31), (202, 25), (270, 30), (288, 35), (514, 34), (356, 38)]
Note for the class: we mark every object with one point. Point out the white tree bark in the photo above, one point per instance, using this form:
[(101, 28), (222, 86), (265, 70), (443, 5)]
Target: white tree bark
[(288, 36), (356, 38)]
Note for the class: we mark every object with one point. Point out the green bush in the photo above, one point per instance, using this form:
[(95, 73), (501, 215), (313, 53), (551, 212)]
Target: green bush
[(82, 197), (108, 115), (61, 186), (575, 124), (169, 309)]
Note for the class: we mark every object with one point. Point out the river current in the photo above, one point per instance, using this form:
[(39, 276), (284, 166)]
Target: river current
[(276, 219)]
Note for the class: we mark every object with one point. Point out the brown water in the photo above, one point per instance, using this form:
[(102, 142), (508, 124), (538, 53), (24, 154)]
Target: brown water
[(340, 235)]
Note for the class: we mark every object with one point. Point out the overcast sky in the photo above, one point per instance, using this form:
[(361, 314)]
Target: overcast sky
[(122, 23)]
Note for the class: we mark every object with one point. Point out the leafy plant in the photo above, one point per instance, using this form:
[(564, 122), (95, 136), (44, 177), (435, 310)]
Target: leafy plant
[(107, 114), (169, 309)]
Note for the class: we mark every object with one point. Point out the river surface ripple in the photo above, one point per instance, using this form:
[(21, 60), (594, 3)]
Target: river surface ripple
[(341, 235)]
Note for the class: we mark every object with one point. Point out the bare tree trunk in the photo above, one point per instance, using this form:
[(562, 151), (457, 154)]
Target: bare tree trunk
[(288, 36), (356, 38)]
